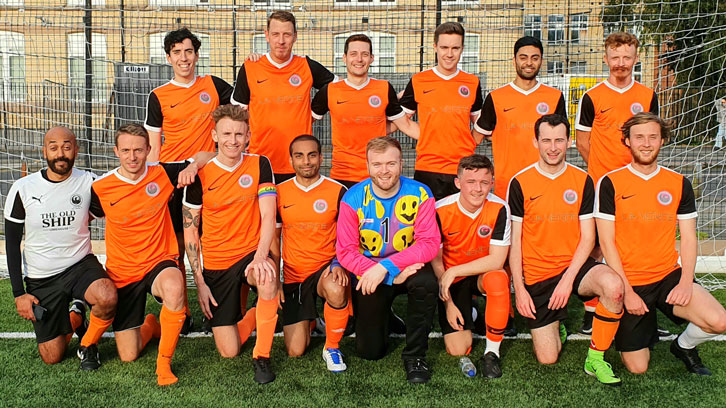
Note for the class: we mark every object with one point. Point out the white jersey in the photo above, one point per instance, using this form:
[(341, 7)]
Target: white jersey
[(56, 221)]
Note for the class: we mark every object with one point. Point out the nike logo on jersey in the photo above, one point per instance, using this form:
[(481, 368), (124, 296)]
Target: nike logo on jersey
[(287, 206), (452, 233), (115, 202), (172, 106), (534, 198), (605, 110), (341, 102), (212, 188), (428, 90), (508, 109), (626, 197), (261, 81)]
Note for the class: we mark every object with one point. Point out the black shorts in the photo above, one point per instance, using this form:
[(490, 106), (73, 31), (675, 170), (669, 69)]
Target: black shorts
[(300, 299), (280, 177), (638, 332), (132, 299), (175, 210), (441, 185), (225, 285), (461, 293), (541, 292), (56, 292)]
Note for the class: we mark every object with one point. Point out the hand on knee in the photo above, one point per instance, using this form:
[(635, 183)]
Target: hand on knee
[(267, 291)]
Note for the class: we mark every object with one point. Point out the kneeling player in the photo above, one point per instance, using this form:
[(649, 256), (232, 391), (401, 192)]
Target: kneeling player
[(235, 195), (307, 207), (553, 233), (638, 208), (475, 230)]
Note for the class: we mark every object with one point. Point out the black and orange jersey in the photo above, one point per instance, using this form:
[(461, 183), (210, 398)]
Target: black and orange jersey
[(602, 111), (278, 98), (466, 236), (183, 112), (645, 209), (508, 116), (307, 216), (445, 105), (549, 207), (229, 202), (139, 233), (357, 115)]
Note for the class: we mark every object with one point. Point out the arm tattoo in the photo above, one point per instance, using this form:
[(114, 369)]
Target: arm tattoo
[(187, 217), (196, 221), (193, 253)]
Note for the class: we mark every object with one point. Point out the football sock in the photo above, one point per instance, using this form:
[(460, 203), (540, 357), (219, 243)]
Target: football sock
[(496, 286), (149, 330), (246, 326), (171, 325), (493, 346), (335, 322), (591, 304), (266, 320), (604, 326), (76, 321), (693, 336), (95, 330)]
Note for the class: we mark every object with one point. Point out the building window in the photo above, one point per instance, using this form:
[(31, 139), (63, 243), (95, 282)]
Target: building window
[(384, 52), (77, 66), (578, 67), (578, 27), (555, 29), (157, 55), (11, 3), (259, 44), (555, 67), (638, 72), (533, 26), (364, 2), (469, 61), (12, 66)]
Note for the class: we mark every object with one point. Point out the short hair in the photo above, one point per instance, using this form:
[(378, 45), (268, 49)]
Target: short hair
[(306, 138), (553, 120), (475, 162), (643, 118), (283, 16), (177, 36), (234, 112), (358, 37), (528, 40), (383, 143), (615, 40), (133, 129), (450, 27)]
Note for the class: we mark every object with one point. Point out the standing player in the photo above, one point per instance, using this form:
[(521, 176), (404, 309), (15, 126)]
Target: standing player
[(276, 90), (359, 108), (475, 230), (52, 208), (235, 195), (307, 208), (638, 208), (141, 247), (386, 231), (447, 100), (601, 113), (553, 233)]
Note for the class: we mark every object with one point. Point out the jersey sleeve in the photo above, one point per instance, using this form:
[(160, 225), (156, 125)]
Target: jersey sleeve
[(224, 90), (488, 118), (321, 75), (605, 199), (347, 243), (173, 169), (343, 190), (13, 238), (502, 231), (516, 200), (687, 206), (585, 114), (319, 106), (654, 104), (241, 92), (476, 106), (408, 99), (95, 207), (393, 109), (587, 205), (193, 195), (154, 118), (266, 186), (14, 209), (561, 108)]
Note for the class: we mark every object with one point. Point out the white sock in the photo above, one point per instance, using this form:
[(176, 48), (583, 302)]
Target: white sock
[(493, 346), (693, 336)]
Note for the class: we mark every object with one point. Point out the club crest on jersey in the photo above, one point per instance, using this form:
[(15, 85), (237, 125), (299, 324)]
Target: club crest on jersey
[(570, 196), (665, 198), (204, 97), (484, 231), (636, 108), (295, 80), (543, 108), (320, 206), (374, 101), (76, 200), (464, 91), (152, 189), (245, 180)]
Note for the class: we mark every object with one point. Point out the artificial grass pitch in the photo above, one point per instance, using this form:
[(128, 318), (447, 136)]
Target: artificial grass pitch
[(205, 379)]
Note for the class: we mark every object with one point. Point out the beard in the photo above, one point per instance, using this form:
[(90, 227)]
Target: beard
[(62, 171), (521, 74)]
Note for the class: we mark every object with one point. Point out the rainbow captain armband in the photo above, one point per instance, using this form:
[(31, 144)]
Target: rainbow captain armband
[(266, 189)]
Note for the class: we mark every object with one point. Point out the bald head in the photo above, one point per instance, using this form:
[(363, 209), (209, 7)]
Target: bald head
[(59, 133), (60, 150)]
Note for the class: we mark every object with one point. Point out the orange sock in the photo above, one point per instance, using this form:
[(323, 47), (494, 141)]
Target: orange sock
[(150, 330), (171, 325), (496, 285), (266, 314), (591, 304), (96, 327), (604, 325), (335, 322), (76, 321), (246, 326)]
